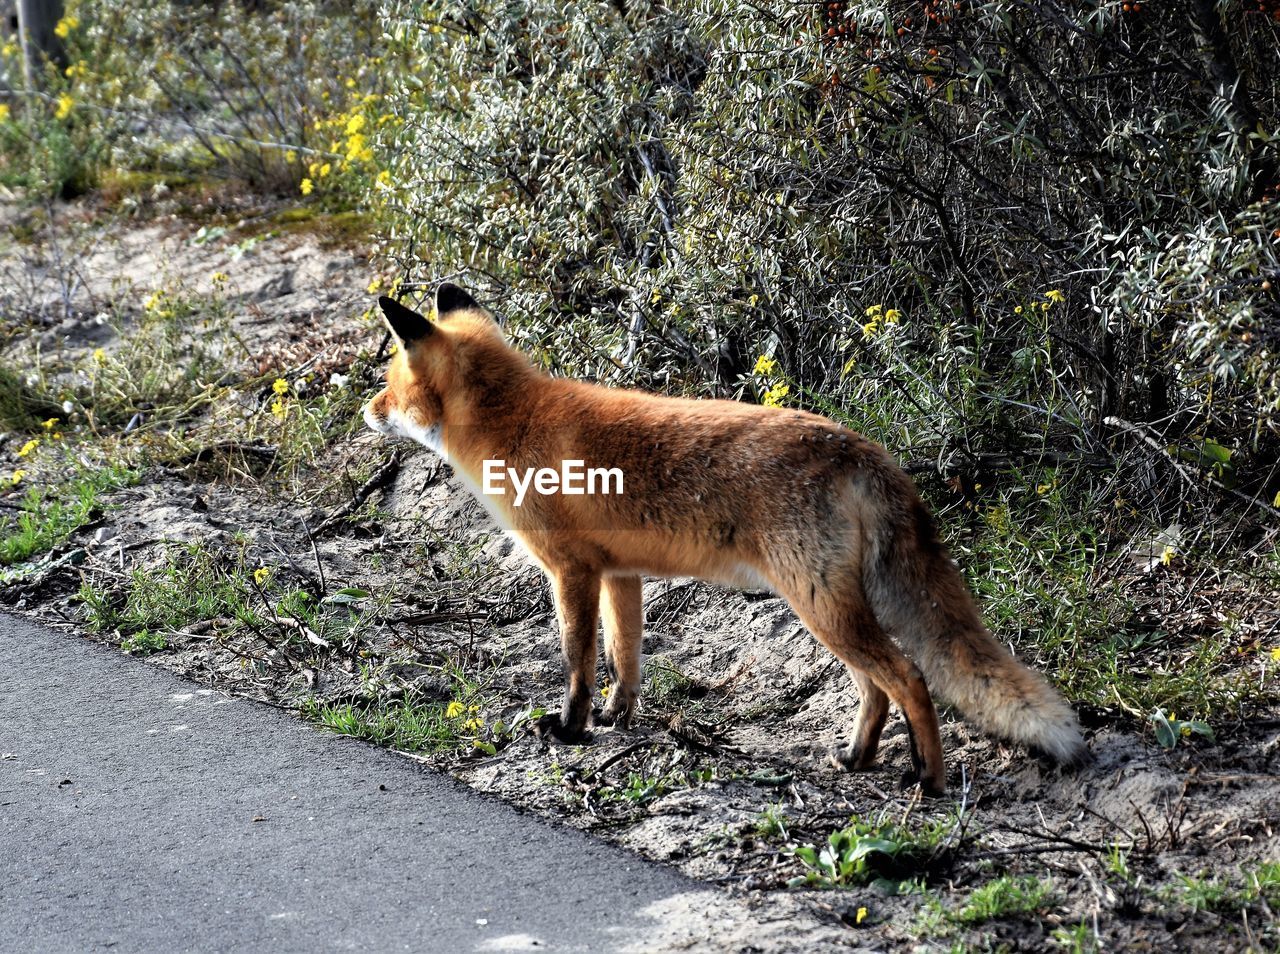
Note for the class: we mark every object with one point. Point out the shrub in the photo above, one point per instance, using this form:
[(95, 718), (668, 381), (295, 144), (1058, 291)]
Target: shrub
[(1068, 211)]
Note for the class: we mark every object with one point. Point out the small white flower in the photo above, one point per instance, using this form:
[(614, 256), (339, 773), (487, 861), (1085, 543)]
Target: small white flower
[(337, 380), (101, 318), (67, 407)]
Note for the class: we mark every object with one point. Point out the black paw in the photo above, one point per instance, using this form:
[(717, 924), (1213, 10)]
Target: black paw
[(550, 727)]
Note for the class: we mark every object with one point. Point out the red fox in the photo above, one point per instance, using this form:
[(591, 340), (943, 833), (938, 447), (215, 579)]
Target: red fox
[(739, 494)]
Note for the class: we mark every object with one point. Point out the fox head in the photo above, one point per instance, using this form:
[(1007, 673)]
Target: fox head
[(437, 365)]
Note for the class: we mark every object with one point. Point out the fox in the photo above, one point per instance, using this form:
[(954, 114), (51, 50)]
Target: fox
[(742, 495)]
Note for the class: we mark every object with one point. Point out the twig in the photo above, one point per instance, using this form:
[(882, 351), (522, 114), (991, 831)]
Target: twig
[(315, 552), (381, 477)]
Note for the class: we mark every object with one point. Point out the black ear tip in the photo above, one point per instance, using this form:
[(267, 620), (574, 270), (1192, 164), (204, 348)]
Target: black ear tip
[(405, 322), (449, 297)]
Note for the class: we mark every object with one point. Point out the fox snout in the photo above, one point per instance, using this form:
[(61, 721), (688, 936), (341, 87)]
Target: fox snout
[(377, 412)]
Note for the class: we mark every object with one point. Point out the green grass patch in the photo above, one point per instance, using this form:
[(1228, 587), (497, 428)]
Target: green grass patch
[(875, 850), (47, 516), (415, 722), (243, 602), (1042, 554), (1005, 897), (194, 585)]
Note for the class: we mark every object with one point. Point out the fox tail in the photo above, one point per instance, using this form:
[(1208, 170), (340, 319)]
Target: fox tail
[(918, 596)]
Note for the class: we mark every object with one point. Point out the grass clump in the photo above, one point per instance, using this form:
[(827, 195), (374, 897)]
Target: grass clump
[(875, 850), (191, 586), (418, 722), (47, 516), (1005, 897)]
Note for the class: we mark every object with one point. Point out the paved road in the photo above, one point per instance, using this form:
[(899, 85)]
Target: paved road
[(138, 813)]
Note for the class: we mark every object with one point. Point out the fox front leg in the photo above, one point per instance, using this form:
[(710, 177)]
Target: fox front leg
[(577, 596), (622, 609)]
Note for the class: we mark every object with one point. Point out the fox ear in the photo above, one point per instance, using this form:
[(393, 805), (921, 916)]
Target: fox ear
[(449, 297), (405, 324)]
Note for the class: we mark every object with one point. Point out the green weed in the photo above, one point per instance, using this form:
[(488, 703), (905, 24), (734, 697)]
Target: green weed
[(874, 850), (1005, 897), (771, 824), (48, 515)]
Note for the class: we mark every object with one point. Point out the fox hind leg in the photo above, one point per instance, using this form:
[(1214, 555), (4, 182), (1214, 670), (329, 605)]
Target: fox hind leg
[(851, 632), (860, 754), (622, 611), (577, 598)]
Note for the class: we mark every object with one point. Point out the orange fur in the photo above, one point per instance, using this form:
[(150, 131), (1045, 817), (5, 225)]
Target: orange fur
[(724, 491)]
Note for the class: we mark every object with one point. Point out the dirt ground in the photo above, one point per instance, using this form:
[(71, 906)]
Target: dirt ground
[(726, 771)]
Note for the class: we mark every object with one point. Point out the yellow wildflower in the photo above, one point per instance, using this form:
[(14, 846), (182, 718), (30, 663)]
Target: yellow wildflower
[(860, 916), (355, 124), (384, 179), (16, 477), (1055, 296), (604, 690), (305, 186), (773, 397), (261, 575), (280, 386), (9, 49), (29, 447), (1017, 309), (48, 425), (218, 278), (764, 365), (279, 409), (65, 105), (1166, 557), (4, 112), (291, 156), (65, 26), (1275, 652), (57, 435), (375, 286), (870, 328), (99, 356), (455, 709), (325, 169), (891, 316), (355, 145)]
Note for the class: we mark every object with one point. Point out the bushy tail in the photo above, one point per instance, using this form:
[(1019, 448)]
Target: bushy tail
[(919, 597)]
